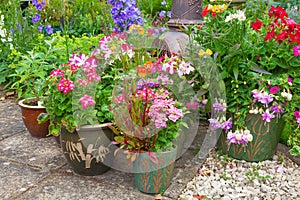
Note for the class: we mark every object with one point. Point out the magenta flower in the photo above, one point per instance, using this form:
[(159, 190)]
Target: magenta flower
[(57, 72), (297, 114), (192, 106), (274, 89), (262, 97), (277, 109), (65, 85), (86, 101), (267, 116), (296, 50), (290, 80), (227, 125), (214, 123)]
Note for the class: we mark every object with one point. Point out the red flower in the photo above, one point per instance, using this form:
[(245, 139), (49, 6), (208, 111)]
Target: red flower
[(277, 13), (282, 36), (269, 35), (205, 11), (213, 14), (256, 25)]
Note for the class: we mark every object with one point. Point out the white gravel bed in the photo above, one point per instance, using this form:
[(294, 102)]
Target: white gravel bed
[(221, 177)]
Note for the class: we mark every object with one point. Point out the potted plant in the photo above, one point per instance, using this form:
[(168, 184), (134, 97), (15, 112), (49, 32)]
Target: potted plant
[(149, 118), (29, 75), (254, 49), (70, 105), (149, 108)]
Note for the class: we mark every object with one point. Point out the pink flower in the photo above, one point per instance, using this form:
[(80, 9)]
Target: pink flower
[(297, 114), (296, 50), (57, 72), (267, 116), (193, 107), (274, 89), (86, 101), (65, 85), (290, 80)]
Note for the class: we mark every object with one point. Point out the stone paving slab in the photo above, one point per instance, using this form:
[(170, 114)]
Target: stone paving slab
[(16, 178), (10, 118), (33, 151), (60, 186)]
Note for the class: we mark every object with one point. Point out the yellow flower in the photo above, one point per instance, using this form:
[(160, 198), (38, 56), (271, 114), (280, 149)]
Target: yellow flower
[(216, 9), (208, 51), (141, 31), (201, 52)]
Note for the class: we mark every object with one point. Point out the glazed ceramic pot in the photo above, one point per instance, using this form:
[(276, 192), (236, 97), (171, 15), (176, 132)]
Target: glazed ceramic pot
[(87, 149), (263, 146), (154, 178)]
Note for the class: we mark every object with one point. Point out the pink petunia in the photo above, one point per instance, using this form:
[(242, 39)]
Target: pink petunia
[(86, 101), (274, 89), (296, 50)]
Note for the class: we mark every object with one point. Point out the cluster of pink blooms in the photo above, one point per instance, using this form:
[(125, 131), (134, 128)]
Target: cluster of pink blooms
[(108, 51), (163, 108), (86, 101), (239, 137), (65, 85), (175, 64), (88, 65)]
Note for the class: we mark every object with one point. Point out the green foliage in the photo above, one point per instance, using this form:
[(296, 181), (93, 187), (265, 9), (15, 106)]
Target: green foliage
[(91, 17), (31, 69), (253, 174), (152, 8)]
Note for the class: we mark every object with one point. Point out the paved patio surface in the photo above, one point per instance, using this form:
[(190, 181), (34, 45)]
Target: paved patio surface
[(34, 168)]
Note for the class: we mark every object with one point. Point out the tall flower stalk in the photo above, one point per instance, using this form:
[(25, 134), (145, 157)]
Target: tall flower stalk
[(125, 13)]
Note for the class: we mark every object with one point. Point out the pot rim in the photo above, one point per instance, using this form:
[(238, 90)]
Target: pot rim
[(22, 104), (102, 125)]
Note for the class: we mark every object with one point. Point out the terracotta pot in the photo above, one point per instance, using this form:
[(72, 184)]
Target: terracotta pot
[(29, 116)]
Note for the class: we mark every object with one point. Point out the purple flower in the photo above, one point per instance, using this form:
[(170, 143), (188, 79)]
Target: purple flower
[(164, 3), (125, 14), (227, 125), (40, 28), (169, 13), (218, 106), (34, 2), (262, 97), (44, 2), (36, 18), (267, 116), (162, 13), (277, 109), (231, 137), (38, 6), (214, 123), (49, 29)]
